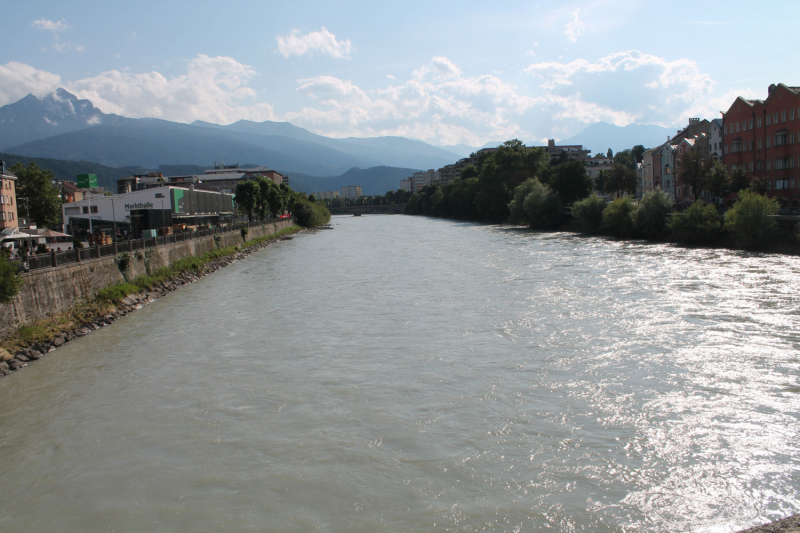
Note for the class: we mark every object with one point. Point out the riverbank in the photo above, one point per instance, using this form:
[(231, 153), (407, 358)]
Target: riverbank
[(33, 341)]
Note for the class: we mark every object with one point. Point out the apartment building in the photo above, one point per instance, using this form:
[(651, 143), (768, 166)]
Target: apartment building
[(351, 192), (8, 199), (327, 195), (762, 137)]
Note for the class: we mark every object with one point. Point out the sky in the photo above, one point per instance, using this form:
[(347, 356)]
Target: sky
[(445, 72)]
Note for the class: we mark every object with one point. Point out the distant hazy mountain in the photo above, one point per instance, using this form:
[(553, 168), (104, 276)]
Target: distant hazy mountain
[(33, 118), (391, 151), (373, 181), (601, 136), (67, 170)]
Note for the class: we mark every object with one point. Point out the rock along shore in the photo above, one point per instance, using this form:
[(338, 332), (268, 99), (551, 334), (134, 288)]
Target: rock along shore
[(128, 305)]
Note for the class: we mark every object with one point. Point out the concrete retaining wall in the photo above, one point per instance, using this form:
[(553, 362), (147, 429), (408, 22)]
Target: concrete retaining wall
[(51, 291)]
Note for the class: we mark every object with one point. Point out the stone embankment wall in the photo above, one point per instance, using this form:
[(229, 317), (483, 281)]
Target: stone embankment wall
[(51, 291)]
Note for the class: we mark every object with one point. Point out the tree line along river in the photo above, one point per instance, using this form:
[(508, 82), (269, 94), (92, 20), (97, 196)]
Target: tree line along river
[(412, 374)]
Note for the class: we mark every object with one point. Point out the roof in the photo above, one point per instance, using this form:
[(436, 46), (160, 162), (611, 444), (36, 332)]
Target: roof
[(69, 186), (7, 175), (236, 169)]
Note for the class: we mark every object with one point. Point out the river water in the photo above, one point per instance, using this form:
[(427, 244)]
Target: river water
[(411, 374)]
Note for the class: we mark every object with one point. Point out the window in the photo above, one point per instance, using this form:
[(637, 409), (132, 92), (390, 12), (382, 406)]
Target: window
[(751, 123), (791, 138), (781, 164), (781, 184), (736, 147), (85, 210), (781, 139), (783, 116), (751, 167), (72, 210), (726, 130), (769, 142), (2, 216), (737, 127), (769, 164), (751, 145), (774, 118), (726, 148), (2, 199), (791, 114), (758, 122), (769, 120), (759, 143), (760, 165), (679, 191)]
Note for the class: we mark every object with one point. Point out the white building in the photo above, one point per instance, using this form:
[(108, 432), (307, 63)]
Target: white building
[(715, 139), (423, 178), (351, 191), (326, 195), (406, 184)]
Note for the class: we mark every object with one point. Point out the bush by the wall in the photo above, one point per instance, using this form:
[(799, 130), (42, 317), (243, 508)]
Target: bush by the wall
[(696, 225), (588, 214), (750, 221), (651, 217), (310, 215), (618, 218), (10, 282), (542, 206)]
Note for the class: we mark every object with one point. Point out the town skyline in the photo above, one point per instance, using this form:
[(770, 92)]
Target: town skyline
[(536, 72)]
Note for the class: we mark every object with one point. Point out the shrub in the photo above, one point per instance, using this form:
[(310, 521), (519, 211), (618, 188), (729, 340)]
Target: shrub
[(651, 217), (516, 207), (618, 218), (77, 244), (310, 215), (543, 207), (41, 248), (10, 282), (115, 293), (750, 219), (244, 232), (588, 214), (698, 224)]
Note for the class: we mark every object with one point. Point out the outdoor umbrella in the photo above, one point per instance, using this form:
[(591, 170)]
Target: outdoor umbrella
[(50, 233)]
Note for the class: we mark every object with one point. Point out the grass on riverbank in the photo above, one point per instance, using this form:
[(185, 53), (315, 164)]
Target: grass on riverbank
[(107, 298)]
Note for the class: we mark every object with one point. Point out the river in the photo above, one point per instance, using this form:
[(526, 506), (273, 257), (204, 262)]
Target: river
[(412, 374)]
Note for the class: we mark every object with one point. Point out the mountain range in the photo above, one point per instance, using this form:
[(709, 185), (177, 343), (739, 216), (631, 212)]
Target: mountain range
[(62, 128)]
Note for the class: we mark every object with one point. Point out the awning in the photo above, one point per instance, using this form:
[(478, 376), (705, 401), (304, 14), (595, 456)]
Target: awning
[(48, 233)]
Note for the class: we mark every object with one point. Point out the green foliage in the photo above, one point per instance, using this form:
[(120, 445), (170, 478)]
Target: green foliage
[(247, 194), (719, 183), (10, 281), (739, 180), (77, 244), (310, 215), (588, 214), (758, 185), (626, 159), (694, 171), (516, 208), (115, 293), (651, 217), (244, 232), (36, 185), (571, 182), (312, 198), (41, 248), (698, 224), (620, 179), (751, 221), (618, 218), (610, 153), (543, 207)]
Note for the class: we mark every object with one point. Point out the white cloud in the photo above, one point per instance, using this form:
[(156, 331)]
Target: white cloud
[(18, 80), (56, 26), (315, 42), (213, 89), (438, 104), (574, 28), (65, 47), (649, 89)]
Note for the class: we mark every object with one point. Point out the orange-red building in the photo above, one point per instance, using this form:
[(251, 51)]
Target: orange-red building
[(762, 137)]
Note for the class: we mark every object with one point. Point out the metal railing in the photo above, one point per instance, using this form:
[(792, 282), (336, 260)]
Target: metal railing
[(54, 259)]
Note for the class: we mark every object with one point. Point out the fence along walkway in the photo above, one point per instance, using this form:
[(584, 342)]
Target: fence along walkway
[(53, 259)]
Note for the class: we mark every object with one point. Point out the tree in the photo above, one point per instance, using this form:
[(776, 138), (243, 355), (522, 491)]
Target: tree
[(651, 217), (247, 193), (618, 217), (571, 182), (637, 152), (588, 213), (10, 282), (718, 182), (751, 220), (543, 207), (739, 180), (693, 171), (312, 198), (36, 185), (759, 185), (700, 223), (621, 179), (600, 181), (610, 153), (516, 207), (626, 158)]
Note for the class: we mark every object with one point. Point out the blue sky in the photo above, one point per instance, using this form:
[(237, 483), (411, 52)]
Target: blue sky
[(444, 72)]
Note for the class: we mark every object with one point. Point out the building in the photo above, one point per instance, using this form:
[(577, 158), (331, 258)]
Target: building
[(715, 138), (646, 175), (594, 165), (423, 178), (327, 195), (571, 151), (148, 209), (668, 168), (450, 172), (406, 185), (8, 199), (762, 137), (140, 182), (351, 191), (70, 192), (225, 178), (684, 194)]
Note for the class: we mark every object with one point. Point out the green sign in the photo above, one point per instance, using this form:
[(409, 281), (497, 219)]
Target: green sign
[(87, 181)]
